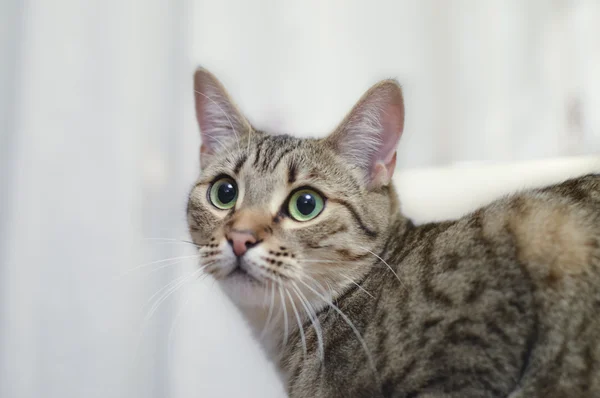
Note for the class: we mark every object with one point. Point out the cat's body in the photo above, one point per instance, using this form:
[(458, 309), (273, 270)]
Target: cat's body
[(350, 299), (505, 300)]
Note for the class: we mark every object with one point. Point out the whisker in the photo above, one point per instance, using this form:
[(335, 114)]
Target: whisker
[(328, 291), (171, 240), (285, 318), (265, 302), (173, 282), (339, 273), (176, 262), (157, 262), (314, 320), (170, 291), (351, 325), (301, 329), (270, 314), (357, 285), (148, 316), (203, 277), (167, 286), (327, 261), (387, 265), (331, 293)]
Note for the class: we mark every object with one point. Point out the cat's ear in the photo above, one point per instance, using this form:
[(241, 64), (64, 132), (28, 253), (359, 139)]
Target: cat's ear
[(219, 119), (368, 136)]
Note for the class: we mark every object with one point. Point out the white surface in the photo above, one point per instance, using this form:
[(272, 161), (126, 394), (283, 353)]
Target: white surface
[(437, 194), (98, 147)]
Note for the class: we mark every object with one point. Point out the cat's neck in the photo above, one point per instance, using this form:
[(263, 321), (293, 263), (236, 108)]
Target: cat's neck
[(271, 324), (272, 327)]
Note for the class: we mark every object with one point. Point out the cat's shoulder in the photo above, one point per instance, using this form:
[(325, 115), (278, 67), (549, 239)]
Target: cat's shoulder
[(555, 227)]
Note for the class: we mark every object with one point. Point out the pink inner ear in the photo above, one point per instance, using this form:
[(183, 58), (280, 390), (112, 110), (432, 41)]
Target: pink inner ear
[(392, 131), (219, 120), (368, 136), (204, 153), (203, 149), (381, 173), (205, 114), (383, 161)]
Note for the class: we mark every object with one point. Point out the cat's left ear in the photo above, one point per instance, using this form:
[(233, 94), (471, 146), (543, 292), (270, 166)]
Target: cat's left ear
[(368, 136), (220, 121)]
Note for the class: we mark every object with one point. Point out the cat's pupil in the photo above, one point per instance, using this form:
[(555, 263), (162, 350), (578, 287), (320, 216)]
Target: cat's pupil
[(306, 204), (226, 193)]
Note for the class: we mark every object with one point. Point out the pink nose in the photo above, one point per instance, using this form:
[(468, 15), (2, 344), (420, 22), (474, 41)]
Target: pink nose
[(241, 241)]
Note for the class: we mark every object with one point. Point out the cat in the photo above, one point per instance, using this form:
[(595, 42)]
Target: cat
[(350, 299)]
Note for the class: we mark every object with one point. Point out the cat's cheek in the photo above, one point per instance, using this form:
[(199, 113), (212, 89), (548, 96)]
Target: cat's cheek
[(197, 235)]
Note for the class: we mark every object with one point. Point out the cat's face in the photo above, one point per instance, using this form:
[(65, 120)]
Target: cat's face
[(302, 216)]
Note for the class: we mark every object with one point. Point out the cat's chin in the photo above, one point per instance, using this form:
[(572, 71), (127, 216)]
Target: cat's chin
[(243, 289)]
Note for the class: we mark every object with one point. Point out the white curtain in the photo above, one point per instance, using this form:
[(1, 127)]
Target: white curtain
[(490, 80), (91, 166), (98, 149)]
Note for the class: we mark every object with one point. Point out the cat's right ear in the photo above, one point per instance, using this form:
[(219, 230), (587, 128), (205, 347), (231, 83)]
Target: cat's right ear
[(220, 121)]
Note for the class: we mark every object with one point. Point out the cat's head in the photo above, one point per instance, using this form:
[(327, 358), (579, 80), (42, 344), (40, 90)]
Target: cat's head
[(273, 210)]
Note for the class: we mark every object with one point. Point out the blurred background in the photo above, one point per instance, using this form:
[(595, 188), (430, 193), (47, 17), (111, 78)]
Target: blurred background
[(98, 149)]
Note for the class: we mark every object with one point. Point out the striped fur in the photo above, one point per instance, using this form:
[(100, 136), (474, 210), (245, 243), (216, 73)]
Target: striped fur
[(359, 302)]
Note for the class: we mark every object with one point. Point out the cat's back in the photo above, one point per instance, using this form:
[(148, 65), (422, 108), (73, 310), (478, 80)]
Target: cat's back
[(502, 302), (527, 268), (556, 235), (556, 230)]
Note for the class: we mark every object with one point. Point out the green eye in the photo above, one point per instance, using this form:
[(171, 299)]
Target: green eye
[(223, 193), (305, 205)]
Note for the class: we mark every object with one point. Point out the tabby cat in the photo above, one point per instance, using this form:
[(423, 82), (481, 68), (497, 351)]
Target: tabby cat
[(350, 299)]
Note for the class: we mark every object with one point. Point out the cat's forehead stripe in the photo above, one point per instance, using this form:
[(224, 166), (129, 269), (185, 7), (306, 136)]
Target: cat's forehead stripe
[(257, 151), (280, 157), (240, 162), (271, 150), (292, 173)]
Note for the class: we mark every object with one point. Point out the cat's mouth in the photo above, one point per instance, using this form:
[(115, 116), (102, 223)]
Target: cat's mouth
[(240, 272)]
